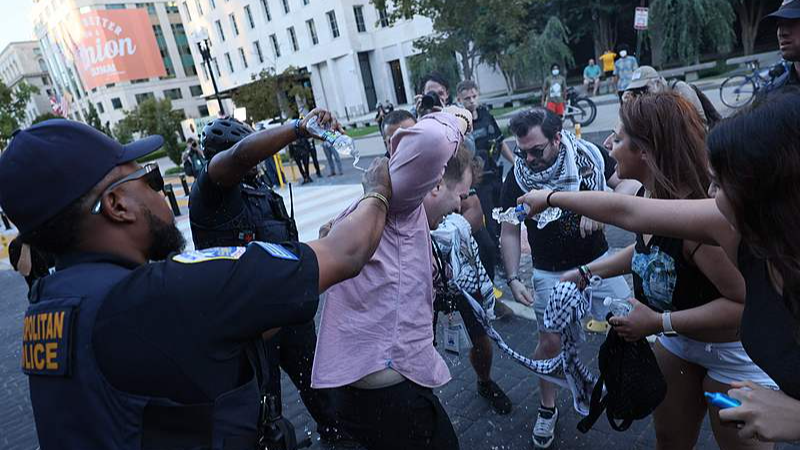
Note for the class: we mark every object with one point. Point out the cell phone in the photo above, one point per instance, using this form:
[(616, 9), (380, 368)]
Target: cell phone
[(721, 400)]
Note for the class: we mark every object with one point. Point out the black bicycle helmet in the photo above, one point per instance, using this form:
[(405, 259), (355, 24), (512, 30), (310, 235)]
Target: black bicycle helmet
[(221, 134)]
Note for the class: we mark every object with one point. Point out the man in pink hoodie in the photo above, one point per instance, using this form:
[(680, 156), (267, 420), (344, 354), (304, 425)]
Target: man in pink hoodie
[(375, 343)]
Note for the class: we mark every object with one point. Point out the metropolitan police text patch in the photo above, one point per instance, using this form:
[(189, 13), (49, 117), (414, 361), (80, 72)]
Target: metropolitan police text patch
[(277, 250), (209, 254), (46, 341)]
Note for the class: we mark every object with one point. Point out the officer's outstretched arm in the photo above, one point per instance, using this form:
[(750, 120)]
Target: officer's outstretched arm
[(352, 241), (229, 167)]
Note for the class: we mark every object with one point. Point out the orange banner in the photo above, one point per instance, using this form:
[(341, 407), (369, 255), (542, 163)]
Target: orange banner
[(116, 45)]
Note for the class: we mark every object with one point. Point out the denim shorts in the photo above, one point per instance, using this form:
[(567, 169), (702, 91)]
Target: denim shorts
[(725, 362), (543, 282)]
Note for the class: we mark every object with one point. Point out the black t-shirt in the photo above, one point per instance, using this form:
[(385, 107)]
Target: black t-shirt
[(559, 245), (485, 133), (768, 327), (178, 328), (211, 204)]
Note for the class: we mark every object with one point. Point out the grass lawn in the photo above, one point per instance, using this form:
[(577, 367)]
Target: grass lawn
[(362, 131), (498, 112)]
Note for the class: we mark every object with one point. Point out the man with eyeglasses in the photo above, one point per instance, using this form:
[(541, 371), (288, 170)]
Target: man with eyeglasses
[(130, 344), (549, 156)]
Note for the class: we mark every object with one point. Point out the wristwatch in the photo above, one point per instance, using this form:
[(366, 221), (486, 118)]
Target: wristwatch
[(666, 324)]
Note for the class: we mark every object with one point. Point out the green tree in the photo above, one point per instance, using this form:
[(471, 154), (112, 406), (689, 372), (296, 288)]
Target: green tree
[(153, 117), (12, 108), (435, 59), (750, 13), (46, 116), (681, 27), (598, 18), (93, 120), (270, 94)]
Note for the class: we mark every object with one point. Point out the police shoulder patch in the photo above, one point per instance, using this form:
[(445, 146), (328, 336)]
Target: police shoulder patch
[(209, 254), (277, 250)]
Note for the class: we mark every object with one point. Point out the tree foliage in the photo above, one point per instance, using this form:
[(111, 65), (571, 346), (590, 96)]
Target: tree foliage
[(93, 120), (45, 116), (750, 13), (153, 117), (12, 108), (681, 27), (271, 94)]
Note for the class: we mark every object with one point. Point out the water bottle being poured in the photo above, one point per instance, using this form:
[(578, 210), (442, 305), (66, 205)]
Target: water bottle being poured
[(340, 142), (517, 215), (619, 307)]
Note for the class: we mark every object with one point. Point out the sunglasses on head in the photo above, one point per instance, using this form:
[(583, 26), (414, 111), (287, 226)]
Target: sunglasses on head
[(535, 152), (149, 173)]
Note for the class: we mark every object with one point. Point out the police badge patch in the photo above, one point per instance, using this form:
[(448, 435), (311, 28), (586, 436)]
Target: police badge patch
[(210, 254)]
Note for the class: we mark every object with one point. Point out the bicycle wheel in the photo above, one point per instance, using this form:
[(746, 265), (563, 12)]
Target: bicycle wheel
[(737, 91), (583, 111)]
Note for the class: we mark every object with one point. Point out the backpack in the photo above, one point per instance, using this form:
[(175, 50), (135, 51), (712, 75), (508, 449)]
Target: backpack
[(633, 383), (709, 110)]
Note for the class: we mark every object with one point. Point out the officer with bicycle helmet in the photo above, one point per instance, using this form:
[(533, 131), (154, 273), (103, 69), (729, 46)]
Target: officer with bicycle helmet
[(231, 204)]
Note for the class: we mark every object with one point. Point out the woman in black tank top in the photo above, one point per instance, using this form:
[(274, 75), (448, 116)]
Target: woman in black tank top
[(755, 157), (660, 142)]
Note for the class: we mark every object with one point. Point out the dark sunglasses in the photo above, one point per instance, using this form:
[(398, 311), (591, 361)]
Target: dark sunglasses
[(535, 152), (149, 173)]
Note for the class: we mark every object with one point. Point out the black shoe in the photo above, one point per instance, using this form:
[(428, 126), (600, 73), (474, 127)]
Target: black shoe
[(497, 398)]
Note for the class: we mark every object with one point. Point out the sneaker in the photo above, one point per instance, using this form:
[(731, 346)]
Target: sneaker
[(497, 398), (545, 428)]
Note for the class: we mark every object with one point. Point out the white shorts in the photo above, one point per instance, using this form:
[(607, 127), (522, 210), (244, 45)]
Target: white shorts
[(544, 281), (725, 362)]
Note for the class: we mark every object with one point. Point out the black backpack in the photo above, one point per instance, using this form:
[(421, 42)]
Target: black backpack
[(709, 110), (634, 384)]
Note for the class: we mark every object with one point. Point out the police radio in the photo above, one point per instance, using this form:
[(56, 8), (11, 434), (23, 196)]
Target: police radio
[(275, 431)]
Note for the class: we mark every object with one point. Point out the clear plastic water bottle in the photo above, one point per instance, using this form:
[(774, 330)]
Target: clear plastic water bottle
[(514, 216), (619, 307), (342, 143)]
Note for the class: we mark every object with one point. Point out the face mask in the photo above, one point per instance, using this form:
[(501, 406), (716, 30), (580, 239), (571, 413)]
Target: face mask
[(555, 72), (623, 53)]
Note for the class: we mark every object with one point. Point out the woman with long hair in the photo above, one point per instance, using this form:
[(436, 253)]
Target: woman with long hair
[(755, 159), (660, 142)]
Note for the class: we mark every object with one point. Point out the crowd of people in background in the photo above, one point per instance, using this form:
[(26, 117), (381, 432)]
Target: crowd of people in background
[(715, 265)]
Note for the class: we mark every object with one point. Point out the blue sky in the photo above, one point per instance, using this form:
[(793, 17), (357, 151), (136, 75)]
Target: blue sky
[(15, 22)]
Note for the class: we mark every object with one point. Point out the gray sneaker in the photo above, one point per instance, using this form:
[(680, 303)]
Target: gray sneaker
[(545, 428)]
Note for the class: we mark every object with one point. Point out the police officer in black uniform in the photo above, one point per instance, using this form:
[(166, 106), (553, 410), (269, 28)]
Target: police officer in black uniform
[(125, 353), (231, 205)]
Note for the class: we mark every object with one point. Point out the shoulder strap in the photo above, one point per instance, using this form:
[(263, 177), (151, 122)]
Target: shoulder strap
[(596, 406)]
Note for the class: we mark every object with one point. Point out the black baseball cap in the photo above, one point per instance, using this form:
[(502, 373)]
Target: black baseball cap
[(48, 166), (790, 9)]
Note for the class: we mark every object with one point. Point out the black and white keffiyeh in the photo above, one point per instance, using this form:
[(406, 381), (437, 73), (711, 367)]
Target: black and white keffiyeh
[(565, 309), (578, 160)]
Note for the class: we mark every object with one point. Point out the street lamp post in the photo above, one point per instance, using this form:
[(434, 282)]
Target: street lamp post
[(205, 51)]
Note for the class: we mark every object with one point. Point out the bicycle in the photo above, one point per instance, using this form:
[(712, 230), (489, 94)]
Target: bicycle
[(738, 90), (579, 109)]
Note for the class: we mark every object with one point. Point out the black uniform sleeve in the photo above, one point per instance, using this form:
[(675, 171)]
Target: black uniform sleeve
[(498, 132), (268, 286), (511, 191), (211, 204)]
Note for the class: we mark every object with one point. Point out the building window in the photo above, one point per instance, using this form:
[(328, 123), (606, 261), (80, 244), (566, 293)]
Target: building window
[(358, 10), (196, 90), (143, 96), (332, 21), (115, 6), (199, 7), (293, 38), (45, 81), (203, 110), (100, 108), (249, 15), (312, 31), (286, 6), (212, 3), (188, 13), (383, 17), (306, 2), (267, 14), (257, 51), (205, 71), (185, 52), (275, 47), (243, 57), (162, 47), (229, 61), (173, 94), (151, 8), (220, 31), (234, 25), (172, 8), (216, 66)]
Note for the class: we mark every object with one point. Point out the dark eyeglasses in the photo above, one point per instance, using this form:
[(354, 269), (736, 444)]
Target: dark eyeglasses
[(535, 152), (149, 173)]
